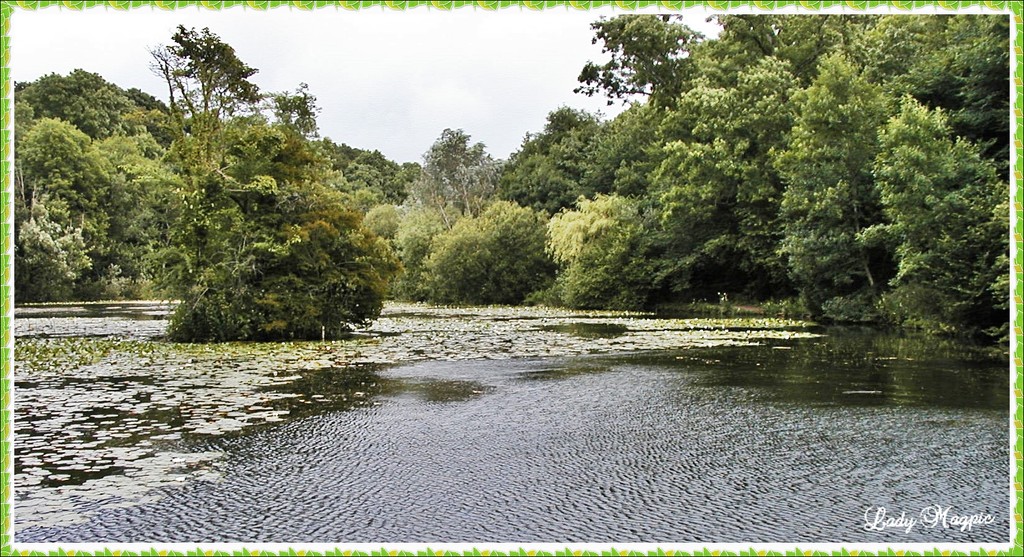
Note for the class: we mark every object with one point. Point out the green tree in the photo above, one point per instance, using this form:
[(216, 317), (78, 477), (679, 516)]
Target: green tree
[(58, 163), (297, 111), (831, 199), (383, 220), (625, 152), (368, 178), (800, 40), (386, 180), (649, 57), (946, 207), (720, 196), (139, 207), (49, 253), (959, 63), (414, 240), (548, 172), (494, 258), (207, 85), (83, 99), (57, 159), (263, 249), (600, 250), (313, 275)]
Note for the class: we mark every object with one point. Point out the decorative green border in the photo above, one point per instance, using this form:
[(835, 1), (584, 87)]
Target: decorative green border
[(7, 257)]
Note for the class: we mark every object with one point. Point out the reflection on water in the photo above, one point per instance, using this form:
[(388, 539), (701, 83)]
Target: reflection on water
[(859, 367), (589, 330), (771, 434)]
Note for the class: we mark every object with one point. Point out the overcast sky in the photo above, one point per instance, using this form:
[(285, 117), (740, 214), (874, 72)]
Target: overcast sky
[(387, 80)]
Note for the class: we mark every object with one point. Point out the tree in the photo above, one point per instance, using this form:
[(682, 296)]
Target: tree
[(383, 220), (59, 160), (720, 196), (548, 172), (59, 168), (49, 253), (85, 146), (136, 213), (263, 249), (959, 63), (495, 258), (297, 111), (368, 178), (625, 152), (386, 180), (313, 275), (831, 199), (649, 57), (207, 84), (801, 40), (457, 179), (83, 99), (946, 208), (600, 250), (414, 241)]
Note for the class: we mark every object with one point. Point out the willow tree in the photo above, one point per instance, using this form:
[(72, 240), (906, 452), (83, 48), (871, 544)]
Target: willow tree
[(600, 247)]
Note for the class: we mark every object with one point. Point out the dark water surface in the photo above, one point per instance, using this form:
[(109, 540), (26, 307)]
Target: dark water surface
[(777, 440)]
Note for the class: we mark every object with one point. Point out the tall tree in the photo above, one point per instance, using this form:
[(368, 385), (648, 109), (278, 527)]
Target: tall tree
[(946, 207), (625, 152), (82, 99), (263, 249), (458, 177), (49, 253), (801, 40), (649, 58), (207, 84), (296, 110), (831, 199), (549, 171), (57, 159), (720, 196), (415, 241), (959, 63)]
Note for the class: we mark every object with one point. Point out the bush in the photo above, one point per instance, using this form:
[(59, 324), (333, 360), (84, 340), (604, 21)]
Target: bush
[(496, 258), (414, 239), (383, 220), (789, 308), (855, 308)]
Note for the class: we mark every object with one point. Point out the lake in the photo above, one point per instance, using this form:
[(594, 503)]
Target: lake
[(505, 425)]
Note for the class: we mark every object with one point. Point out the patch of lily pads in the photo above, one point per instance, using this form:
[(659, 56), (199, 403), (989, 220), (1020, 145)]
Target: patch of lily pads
[(106, 411)]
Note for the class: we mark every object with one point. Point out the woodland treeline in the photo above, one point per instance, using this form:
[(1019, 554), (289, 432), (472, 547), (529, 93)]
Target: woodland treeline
[(846, 168)]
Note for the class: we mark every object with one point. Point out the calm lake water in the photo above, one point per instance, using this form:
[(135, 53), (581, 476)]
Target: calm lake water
[(503, 425)]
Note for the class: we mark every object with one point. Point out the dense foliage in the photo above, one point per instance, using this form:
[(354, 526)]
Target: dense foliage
[(856, 163), (233, 207), (494, 258), (855, 167), (92, 200)]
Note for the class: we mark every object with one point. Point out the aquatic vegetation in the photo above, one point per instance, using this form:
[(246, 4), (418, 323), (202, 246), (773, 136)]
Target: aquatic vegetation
[(103, 399)]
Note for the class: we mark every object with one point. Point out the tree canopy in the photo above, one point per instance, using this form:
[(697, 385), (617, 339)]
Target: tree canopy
[(854, 166)]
